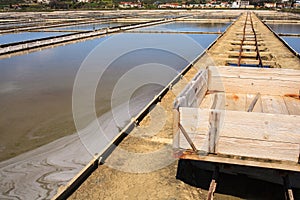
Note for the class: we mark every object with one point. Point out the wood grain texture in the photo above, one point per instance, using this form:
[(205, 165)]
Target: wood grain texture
[(255, 73), (258, 149), (293, 105), (274, 104), (253, 86), (267, 136)]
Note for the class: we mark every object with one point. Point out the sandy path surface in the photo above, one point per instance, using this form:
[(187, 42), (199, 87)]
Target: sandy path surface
[(143, 166)]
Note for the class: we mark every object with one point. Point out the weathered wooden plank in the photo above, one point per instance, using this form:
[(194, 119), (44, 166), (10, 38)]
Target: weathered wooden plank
[(235, 102), (258, 149), (237, 42), (247, 125), (197, 133), (228, 101), (218, 101), (233, 161), (176, 131), (249, 61), (194, 92), (247, 54), (255, 73), (207, 101), (267, 133), (214, 129), (292, 104), (274, 104), (253, 86), (199, 140)]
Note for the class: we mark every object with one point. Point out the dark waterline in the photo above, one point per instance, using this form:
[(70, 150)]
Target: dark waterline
[(89, 27)]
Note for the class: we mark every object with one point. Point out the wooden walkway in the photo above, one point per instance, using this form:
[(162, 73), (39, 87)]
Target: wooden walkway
[(247, 36), (240, 116)]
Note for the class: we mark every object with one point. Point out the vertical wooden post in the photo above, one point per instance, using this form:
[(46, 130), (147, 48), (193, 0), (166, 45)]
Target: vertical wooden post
[(176, 120), (213, 184), (287, 188), (213, 135)]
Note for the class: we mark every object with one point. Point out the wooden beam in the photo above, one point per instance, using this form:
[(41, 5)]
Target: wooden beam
[(255, 73), (242, 162), (214, 125), (257, 107), (251, 107), (246, 54), (258, 149), (287, 188), (242, 85), (213, 184), (187, 137)]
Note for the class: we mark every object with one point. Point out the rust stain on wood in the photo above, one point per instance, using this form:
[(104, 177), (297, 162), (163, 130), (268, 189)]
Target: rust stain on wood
[(295, 96), (235, 97)]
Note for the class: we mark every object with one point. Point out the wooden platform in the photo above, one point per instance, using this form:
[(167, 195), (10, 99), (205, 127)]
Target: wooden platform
[(212, 123)]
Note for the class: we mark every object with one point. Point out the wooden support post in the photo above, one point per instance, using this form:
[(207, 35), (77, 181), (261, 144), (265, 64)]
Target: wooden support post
[(213, 135), (213, 184), (287, 188), (186, 135), (250, 109)]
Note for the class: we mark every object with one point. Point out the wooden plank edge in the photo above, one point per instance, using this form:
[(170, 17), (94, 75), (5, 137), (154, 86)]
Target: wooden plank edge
[(233, 161)]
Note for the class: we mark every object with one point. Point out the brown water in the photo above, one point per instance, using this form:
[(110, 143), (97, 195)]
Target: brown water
[(36, 105), (36, 91)]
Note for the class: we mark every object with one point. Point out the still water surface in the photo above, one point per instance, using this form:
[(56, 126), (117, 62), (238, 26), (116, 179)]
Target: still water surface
[(190, 26), (18, 37), (36, 89), (36, 101), (294, 42), (286, 28)]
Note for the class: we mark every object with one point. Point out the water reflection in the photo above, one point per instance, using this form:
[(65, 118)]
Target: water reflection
[(286, 28), (294, 42), (18, 37), (36, 104)]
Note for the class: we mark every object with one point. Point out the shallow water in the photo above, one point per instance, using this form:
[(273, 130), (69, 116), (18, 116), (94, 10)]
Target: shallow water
[(36, 103), (294, 42), (286, 28), (18, 37), (190, 26)]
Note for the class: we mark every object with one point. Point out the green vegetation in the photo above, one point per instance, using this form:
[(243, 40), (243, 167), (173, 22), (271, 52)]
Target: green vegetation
[(33, 5)]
